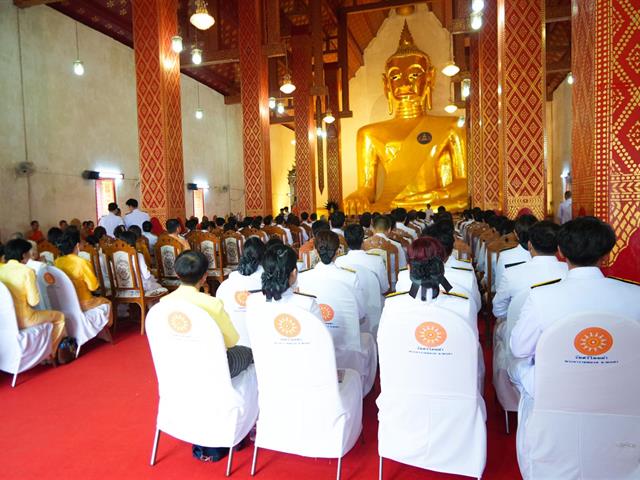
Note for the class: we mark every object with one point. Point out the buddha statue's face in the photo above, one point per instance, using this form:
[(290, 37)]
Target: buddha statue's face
[(409, 78)]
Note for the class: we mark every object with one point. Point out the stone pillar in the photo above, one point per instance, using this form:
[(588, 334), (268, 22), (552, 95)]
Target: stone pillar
[(521, 66), (334, 159), (490, 185), (606, 123), (254, 95), (304, 124), (159, 117)]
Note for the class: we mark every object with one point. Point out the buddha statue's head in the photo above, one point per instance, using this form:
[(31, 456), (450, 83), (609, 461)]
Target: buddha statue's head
[(409, 78)]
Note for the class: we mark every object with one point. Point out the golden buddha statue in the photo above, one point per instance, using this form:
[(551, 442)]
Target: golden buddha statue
[(414, 158)]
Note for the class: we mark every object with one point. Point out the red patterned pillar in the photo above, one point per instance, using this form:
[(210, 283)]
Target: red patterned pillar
[(476, 173), (304, 123), (334, 160), (606, 129), (490, 187), (521, 66), (254, 95), (159, 116)]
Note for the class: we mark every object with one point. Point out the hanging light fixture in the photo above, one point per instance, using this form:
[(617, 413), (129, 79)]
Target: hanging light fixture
[(570, 79), (280, 108), (465, 88), (176, 43), (461, 121), (199, 109), (272, 103), (476, 21), (451, 106), (287, 87), (320, 132), (328, 116), (450, 69), (78, 66), (477, 5), (196, 56), (201, 18)]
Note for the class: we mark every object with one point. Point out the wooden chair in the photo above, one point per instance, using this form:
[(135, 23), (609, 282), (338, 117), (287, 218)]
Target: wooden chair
[(167, 250), (212, 247), (47, 252), (463, 249), (308, 229), (233, 243), (89, 252), (126, 281), (142, 246), (248, 232), (276, 232), (296, 233), (386, 250), (400, 238)]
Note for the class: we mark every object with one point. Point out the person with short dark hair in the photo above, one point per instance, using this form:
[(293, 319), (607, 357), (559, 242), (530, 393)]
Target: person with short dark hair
[(337, 220), (267, 220), (304, 216), (585, 243), (21, 282), (565, 209), (191, 224), (53, 235), (119, 230), (173, 229), (147, 232), (313, 217), (365, 220), (220, 222), (62, 224), (35, 234), (543, 267), (400, 216), (99, 233), (150, 284), (134, 215), (428, 212), (81, 273), (280, 223), (356, 258), (136, 230), (111, 220), (518, 253)]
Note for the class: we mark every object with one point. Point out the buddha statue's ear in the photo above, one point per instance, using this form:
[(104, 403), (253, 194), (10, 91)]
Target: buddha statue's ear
[(387, 92)]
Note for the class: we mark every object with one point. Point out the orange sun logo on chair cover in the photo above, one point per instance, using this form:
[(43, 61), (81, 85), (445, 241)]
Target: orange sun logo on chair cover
[(179, 322), (49, 278), (287, 325), (593, 341), (327, 312), (241, 297), (431, 334)]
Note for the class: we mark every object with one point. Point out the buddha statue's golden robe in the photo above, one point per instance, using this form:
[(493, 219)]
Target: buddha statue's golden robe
[(414, 158)]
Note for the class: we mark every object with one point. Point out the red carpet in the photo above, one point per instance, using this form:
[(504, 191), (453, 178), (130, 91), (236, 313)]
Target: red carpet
[(94, 419)]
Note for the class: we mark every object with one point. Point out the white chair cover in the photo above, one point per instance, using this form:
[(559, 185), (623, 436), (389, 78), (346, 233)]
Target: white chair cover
[(20, 349), (61, 296), (584, 422), (507, 393), (431, 413), (304, 409), (373, 300), (234, 292), (339, 310), (199, 402)]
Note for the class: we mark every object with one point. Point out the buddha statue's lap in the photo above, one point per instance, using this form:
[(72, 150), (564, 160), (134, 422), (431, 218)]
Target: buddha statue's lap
[(414, 158)]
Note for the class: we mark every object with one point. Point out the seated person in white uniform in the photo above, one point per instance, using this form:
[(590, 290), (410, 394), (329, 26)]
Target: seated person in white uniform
[(326, 244), (358, 258), (241, 283), (585, 242), (543, 267), (382, 227), (280, 223), (149, 282), (517, 254), (337, 222), (279, 279), (427, 254), (458, 274), (400, 216)]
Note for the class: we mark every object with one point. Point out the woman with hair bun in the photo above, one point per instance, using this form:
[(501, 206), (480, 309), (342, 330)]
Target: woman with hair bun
[(279, 281)]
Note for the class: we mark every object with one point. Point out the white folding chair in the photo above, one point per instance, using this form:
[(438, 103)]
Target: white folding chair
[(20, 349), (60, 295), (354, 349), (306, 407), (199, 402), (584, 421), (507, 393), (234, 292), (429, 389)]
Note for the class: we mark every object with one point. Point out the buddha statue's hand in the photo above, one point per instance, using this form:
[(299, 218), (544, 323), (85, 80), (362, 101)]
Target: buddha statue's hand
[(358, 202)]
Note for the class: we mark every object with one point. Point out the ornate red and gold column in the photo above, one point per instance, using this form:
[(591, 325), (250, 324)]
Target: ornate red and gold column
[(521, 66), (305, 130), (254, 95), (334, 160), (475, 132), (490, 187), (606, 123), (159, 116)]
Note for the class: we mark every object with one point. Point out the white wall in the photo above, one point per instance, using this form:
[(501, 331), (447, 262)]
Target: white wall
[(367, 100), (559, 135), (89, 123)]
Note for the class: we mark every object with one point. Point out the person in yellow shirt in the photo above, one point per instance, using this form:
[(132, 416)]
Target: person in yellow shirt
[(21, 282), (192, 269), (81, 273)]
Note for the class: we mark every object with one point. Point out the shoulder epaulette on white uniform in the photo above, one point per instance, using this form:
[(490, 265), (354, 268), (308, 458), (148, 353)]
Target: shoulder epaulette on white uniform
[(454, 294), (255, 291), (348, 269), (403, 269), (514, 264), (394, 294), (305, 294), (550, 282), (625, 280), (463, 268), (465, 260)]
